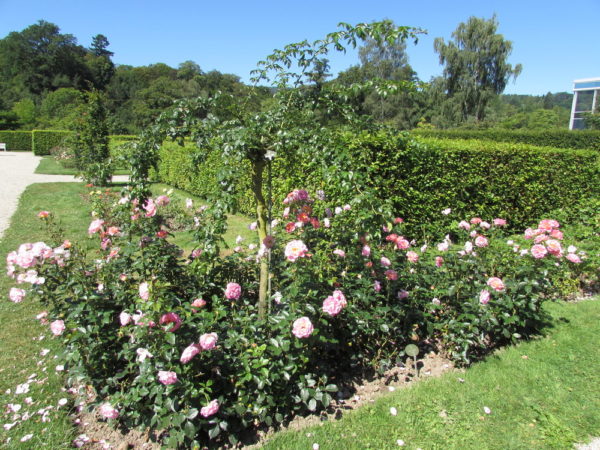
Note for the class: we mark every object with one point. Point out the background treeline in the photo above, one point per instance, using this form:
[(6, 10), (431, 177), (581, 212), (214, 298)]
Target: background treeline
[(43, 73)]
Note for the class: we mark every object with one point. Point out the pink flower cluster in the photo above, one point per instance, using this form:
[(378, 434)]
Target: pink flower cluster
[(233, 291), (334, 303), (400, 241), (297, 196), (546, 238), (207, 341), (295, 249), (300, 201)]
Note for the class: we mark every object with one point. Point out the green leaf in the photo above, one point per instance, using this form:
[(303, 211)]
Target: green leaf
[(312, 404), (214, 432)]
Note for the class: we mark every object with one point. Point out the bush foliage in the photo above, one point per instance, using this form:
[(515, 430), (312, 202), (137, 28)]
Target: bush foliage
[(16, 140), (44, 140)]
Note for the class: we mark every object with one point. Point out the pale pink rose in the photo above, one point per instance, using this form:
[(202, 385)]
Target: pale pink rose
[(331, 306), (475, 220), (366, 251), (167, 377), (541, 238), (538, 251), (481, 241), (95, 226), (253, 226), (198, 303), (302, 328), (189, 352), (124, 318), (402, 243), (144, 291), (41, 250), (571, 249), (473, 233), (557, 234), (554, 246), (499, 222), (43, 214), (170, 318), (294, 250), (142, 354), (496, 283), (113, 231), (326, 222), (391, 275), (377, 286), (339, 252), (286, 212), (57, 327), (16, 295), (385, 262), (402, 294), (233, 291), (338, 210), (339, 296), (573, 258), (439, 261), (412, 257), (208, 341), (464, 225), (484, 297), (485, 225), (468, 247), (26, 260), (108, 412), (548, 224), (443, 246), (162, 200), (150, 208), (210, 410), (436, 301), (347, 207), (446, 211)]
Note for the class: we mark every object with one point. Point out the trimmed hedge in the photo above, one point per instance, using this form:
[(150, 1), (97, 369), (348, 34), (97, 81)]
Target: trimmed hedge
[(16, 140), (582, 139), (519, 182), (44, 140)]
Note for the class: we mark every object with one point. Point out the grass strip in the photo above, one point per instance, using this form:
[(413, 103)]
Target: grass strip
[(540, 394), (49, 166)]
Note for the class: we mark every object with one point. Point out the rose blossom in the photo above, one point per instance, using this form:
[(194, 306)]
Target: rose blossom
[(124, 318), (210, 410), (167, 377), (208, 341), (331, 306), (16, 295), (57, 327), (366, 251), (499, 222), (339, 252), (144, 291), (162, 200), (302, 328), (95, 226), (573, 258), (402, 294), (198, 303), (412, 257), (481, 241), (548, 225), (485, 225), (377, 286), (189, 352), (464, 225), (557, 234), (294, 250), (439, 261), (233, 291), (339, 296), (391, 275), (142, 354), (446, 211), (443, 246), (43, 214), (538, 251), (475, 220), (150, 208), (496, 284), (385, 262), (107, 411), (554, 247), (170, 318), (402, 243), (484, 297)]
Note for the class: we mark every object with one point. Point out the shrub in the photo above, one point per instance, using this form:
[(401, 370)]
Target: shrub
[(44, 140), (16, 140), (586, 139)]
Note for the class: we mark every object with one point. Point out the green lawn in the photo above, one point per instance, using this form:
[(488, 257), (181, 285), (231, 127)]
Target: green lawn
[(49, 166)]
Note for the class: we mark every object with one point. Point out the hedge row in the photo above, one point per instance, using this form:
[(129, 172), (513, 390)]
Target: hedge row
[(44, 140), (582, 139), (16, 140), (519, 182)]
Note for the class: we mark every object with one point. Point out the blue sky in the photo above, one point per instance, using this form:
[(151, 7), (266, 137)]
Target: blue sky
[(556, 41)]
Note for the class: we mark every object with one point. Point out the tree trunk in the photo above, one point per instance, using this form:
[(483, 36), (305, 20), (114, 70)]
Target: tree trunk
[(261, 214)]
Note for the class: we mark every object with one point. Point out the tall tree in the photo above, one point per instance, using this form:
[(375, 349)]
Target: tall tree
[(476, 68), (99, 62)]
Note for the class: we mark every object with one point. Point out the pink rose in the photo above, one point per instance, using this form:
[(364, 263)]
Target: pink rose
[(481, 241), (198, 303), (496, 284), (302, 328), (150, 208), (484, 297), (538, 251), (499, 222), (412, 257), (377, 286), (573, 258), (391, 275), (208, 341), (548, 224), (190, 351), (210, 410), (339, 296), (485, 225), (541, 238), (443, 246), (124, 318), (167, 377), (557, 234), (57, 327), (439, 261), (331, 306), (294, 250), (402, 243), (233, 291), (340, 253), (108, 412), (95, 226), (16, 295), (402, 294), (554, 247), (385, 262), (475, 220), (162, 200), (144, 291), (366, 251), (464, 225), (170, 318), (530, 233), (43, 214)]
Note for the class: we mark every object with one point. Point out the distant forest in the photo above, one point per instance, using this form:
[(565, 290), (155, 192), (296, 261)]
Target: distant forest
[(44, 72)]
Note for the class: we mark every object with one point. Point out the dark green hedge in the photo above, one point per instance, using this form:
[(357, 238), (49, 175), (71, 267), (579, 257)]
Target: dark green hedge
[(582, 139), (518, 182), (16, 140), (44, 140)]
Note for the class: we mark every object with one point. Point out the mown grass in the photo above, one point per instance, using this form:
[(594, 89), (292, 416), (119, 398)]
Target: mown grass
[(542, 394), (49, 166)]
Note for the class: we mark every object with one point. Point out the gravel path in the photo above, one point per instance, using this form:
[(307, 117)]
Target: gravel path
[(16, 173)]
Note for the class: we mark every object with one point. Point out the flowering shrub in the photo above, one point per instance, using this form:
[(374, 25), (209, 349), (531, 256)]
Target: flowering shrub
[(176, 344)]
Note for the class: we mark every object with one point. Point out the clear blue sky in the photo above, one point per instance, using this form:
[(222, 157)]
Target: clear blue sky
[(555, 40)]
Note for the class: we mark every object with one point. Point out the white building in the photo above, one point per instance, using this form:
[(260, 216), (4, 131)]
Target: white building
[(585, 100)]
